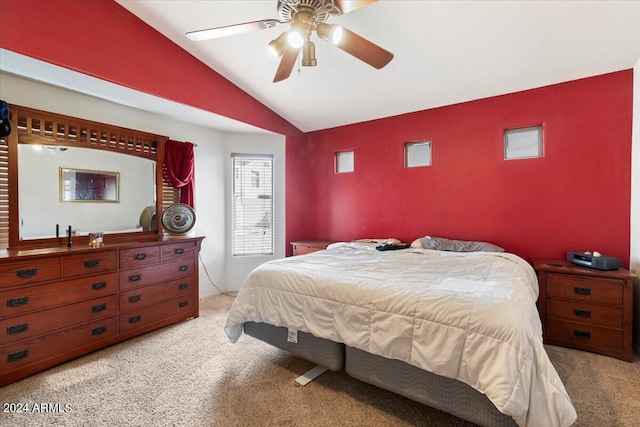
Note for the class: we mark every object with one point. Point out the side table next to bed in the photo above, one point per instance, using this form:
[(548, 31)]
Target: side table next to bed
[(585, 308), (301, 247)]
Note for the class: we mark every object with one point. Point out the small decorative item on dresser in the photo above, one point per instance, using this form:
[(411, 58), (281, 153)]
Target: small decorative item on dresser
[(96, 239), (586, 308), (301, 247)]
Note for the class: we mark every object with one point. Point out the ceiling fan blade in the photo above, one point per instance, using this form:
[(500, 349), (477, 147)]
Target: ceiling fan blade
[(347, 6), (364, 50), (214, 33), (286, 64)]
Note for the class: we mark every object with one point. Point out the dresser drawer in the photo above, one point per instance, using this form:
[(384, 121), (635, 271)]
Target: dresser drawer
[(138, 257), (23, 300), (579, 311), (23, 353), (179, 307), (88, 263), (142, 297), (602, 290), (583, 336), (27, 272), (177, 251), (30, 325), (138, 277)]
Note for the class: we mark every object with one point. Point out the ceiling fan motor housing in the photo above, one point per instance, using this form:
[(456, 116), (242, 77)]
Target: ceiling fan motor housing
[(320, 9)]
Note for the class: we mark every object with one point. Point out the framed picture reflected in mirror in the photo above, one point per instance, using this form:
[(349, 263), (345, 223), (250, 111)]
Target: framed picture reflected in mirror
[(82, 185)]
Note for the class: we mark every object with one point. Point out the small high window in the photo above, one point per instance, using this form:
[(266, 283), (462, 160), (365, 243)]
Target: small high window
[(344, 161), (417, 154), (523, 143)]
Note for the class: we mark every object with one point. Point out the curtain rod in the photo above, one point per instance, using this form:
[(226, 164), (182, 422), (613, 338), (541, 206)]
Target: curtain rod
[(184, 142)]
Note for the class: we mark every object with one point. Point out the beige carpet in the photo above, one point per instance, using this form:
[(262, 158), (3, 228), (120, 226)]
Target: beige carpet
[(191, 375)]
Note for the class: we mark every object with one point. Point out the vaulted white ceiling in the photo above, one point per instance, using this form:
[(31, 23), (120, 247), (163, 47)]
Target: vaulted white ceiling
[(446, 52)]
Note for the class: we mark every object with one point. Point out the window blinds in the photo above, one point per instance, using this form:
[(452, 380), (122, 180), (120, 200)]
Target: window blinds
[(252, 216)]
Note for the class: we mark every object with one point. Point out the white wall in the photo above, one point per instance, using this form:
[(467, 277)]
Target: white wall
[(634, 262), (212, 163)]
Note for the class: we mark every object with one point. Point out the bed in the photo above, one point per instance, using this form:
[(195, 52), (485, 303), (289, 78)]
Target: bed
[(455, 330)]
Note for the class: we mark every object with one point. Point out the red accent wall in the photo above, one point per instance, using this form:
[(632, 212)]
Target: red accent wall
[(104, 40), (576, 197)]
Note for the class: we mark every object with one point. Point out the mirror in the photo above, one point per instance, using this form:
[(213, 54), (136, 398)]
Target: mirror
[(40, 204)]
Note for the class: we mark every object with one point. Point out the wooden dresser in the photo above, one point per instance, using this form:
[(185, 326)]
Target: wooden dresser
[(586, 308), (301, 247), (60, 303)]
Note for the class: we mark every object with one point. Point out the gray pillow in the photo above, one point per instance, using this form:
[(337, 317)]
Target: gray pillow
[(442, 244)]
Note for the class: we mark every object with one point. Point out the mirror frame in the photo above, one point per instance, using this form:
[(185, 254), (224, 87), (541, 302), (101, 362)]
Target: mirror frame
[(32, 126)]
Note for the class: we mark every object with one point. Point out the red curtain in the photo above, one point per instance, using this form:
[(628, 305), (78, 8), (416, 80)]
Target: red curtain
[(178, 169)]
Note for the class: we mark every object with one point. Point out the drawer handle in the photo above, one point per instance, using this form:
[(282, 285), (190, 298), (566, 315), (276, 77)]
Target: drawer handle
[(582, 291), (183, 286), (98, 308), (99, 330), (183, 304), (91, 263), (14, 357), (27, 272), (183, 268), (135, 277), (98, 285), (135, 319), (134, 298), (582, 313), (17, 302), (178, 251), (582, 334), (140, 257), (18, 329)]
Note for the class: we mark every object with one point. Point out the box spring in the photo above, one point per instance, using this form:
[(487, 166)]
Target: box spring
[(318, 350), (446, 394)]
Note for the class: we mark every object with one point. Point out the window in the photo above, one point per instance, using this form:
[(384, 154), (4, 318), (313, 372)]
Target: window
[(344, 162), (417, 154), (523, 143), (252, 216)]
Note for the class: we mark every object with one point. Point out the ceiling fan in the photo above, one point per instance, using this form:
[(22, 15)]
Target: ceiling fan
[(305, 18)]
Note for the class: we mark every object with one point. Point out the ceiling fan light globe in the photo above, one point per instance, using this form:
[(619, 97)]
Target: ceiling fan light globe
[(273, 48), (309, 54), (336, 35), (278, 45), (295, 39), (330, 32)]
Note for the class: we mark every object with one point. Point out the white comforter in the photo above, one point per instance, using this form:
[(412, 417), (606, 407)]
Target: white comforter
[(468, 316)]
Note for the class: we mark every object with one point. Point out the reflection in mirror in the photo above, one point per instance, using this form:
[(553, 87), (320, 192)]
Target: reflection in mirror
[(40, 205), (79, 185)]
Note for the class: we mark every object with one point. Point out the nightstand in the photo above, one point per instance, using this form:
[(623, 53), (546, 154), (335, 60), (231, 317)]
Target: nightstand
[(301, 247), (585, 308)]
